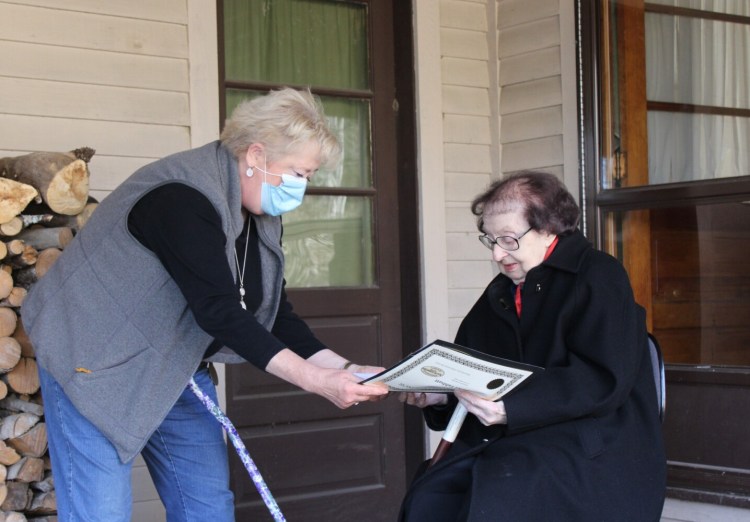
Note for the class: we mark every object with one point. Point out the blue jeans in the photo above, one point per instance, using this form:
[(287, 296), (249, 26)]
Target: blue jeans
[(186, 457)]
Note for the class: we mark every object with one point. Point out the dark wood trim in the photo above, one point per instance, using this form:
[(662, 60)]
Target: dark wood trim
[(730, 487), (726, 498), (675, 194), (222, 64), (696, 13), (702, 483), (408, 203), (340, 191), (588, 100), (320, 91), (725, 376), (697, 109)]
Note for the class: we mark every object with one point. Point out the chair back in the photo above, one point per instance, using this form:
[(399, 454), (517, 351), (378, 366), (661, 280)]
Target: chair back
[(657, 365)]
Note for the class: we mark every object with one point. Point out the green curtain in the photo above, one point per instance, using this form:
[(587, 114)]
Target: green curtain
[(317, 43), (307, 42)]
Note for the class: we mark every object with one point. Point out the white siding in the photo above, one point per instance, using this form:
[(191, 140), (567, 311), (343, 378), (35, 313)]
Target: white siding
[(531, 97), (112, 76), (470, 150), (120, 77), (503, 109)]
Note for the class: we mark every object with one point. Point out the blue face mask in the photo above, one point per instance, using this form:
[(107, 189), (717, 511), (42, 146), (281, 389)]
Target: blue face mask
[(278, 199)]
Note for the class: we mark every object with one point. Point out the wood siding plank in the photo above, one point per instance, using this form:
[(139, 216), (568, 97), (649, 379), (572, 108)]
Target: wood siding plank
[(460, 219), (517, 39), (51, 62), (466, 100), (93, 31), (531, 95), (459, 43), (80, 101), (460, 128), (463, 187), (531, 124), (535, 65), (462, 299), (469, 274), (531, 154), (515, 12), (461, 71), (107, 172), (463, 15), (174, 11), (108, 138), (461, 157), (464, 246)]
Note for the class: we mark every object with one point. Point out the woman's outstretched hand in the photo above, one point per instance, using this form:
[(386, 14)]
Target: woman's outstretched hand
[(343, 388), (322, 374)]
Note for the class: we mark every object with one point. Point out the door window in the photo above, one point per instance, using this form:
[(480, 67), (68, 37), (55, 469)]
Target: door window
[(328, 241), (669, 195), (697, 71)]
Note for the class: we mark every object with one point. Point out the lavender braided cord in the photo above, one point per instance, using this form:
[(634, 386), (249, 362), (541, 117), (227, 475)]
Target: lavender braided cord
[(255, 475)]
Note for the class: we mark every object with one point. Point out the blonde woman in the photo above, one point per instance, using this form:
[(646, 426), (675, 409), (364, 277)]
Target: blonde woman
[(180, 265)]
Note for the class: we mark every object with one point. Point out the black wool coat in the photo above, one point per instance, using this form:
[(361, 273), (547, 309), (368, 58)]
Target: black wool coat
[(583, 440)]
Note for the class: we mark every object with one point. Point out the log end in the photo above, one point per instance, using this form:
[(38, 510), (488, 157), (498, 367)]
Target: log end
[(68, 191), (14, 197)]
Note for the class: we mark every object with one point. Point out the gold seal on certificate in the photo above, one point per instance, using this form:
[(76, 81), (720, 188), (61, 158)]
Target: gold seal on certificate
[(441, 367)]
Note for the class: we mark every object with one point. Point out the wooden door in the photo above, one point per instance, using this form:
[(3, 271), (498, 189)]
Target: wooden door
[(672, 205), (349, 260)]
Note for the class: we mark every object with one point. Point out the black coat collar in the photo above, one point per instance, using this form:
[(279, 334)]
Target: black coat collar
[(567, 256)]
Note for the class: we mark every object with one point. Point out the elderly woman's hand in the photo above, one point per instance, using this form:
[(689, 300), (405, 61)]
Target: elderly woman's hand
[(422, 400), (488, 412)]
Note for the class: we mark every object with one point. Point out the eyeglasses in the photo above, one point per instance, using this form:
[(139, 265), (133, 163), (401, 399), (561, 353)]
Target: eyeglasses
[(507, 243)]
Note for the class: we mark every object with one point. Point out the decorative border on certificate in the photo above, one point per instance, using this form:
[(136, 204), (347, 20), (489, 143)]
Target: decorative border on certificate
[(441, 367), (509, 379)]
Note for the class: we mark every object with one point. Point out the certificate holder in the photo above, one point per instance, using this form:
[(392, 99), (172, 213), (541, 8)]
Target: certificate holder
[(441, 367)]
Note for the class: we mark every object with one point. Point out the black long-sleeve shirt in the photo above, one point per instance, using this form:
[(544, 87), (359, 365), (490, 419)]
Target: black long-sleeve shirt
[(183, 229)]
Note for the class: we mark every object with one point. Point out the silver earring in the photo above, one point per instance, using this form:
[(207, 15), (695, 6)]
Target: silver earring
[(249, 172)]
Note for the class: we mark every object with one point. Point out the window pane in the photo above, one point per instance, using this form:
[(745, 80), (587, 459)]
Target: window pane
[(687, 62), (697, 61), (700, 281), (697, 76), (328, 242), (350, 120), (303, 42), (691, 147)]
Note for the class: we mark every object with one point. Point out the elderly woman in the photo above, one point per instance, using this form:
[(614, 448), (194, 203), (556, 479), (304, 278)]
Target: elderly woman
[(180, 265), (580, 441)]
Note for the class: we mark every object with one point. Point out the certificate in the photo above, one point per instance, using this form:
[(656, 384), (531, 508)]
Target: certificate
[(441, 367)]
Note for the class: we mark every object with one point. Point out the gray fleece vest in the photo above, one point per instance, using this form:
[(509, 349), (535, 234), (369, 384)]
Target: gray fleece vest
[(110, 324)]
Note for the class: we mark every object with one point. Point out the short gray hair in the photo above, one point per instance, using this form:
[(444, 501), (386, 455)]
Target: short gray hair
[(281, 120)]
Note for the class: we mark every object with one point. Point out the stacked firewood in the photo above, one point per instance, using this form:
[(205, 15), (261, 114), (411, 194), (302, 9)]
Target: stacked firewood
[(44, 201)]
